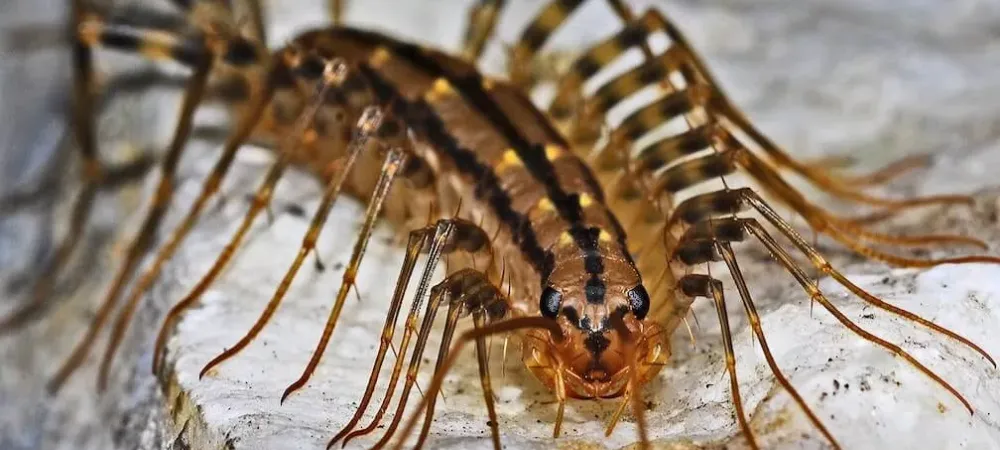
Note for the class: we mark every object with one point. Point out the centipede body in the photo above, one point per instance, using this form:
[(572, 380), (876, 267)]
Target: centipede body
[(453, 84)]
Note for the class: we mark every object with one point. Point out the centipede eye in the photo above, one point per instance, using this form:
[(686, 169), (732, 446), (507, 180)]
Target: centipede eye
[(550, 302), (638, 301)]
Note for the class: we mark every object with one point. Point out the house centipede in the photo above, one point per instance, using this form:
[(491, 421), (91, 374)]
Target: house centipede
[(590, 260)]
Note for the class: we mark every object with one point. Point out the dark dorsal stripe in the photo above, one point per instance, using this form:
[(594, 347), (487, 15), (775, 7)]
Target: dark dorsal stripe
[(531, 154), (425, 122)]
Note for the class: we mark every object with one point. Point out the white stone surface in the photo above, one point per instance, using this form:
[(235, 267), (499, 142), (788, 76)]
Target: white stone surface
[(821, 77)]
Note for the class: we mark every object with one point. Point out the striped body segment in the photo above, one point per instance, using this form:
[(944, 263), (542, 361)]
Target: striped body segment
[(515, 173)]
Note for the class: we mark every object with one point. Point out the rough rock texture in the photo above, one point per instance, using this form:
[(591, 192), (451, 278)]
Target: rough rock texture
[(821, 77)]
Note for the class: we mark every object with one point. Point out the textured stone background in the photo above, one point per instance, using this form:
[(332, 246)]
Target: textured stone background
[(821, 77)]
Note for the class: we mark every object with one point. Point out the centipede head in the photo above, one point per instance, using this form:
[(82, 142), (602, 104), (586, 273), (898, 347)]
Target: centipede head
[(604, 341)]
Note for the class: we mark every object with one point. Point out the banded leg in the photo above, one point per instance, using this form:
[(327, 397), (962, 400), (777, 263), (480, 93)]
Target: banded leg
[(465, 287), (144, 238), (537, 33), (475, 334), (392, 167), (367, 124), (480, 26), (93, 172), (650, 173), (333, 75), (336, 8), (655, 20), (706, 240), (90, 31), (705, 286), (582, 117), (95, 32)]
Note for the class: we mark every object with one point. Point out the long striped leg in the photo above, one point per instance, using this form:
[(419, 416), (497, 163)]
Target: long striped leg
[(333, 75), (391, 168), (705, 286), (480, 26), (524, 53), (847, 233), (418, 241), (475, 334), (435, 239), (93, 173), (729, 257), (583, 116), (706, 240), (821, 178), (820, 263), (366, 125), (162, 45), (144, 238), (88, 32), (336, 8), (729, 154), (438, 240)]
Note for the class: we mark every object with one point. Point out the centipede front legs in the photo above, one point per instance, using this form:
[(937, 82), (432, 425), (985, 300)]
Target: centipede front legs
[(465, 291)]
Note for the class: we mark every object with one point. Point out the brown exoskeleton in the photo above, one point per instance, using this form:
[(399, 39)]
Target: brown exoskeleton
[(591, 257)]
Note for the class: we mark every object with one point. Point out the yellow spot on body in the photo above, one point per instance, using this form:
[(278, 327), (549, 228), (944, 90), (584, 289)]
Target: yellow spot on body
[(604, 236), (379, 57), (154, 52), (441, 89), (545, 204), (156, 45), (566, 239), (586, 200), (509, 159), (309, 137), (553, 152)]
